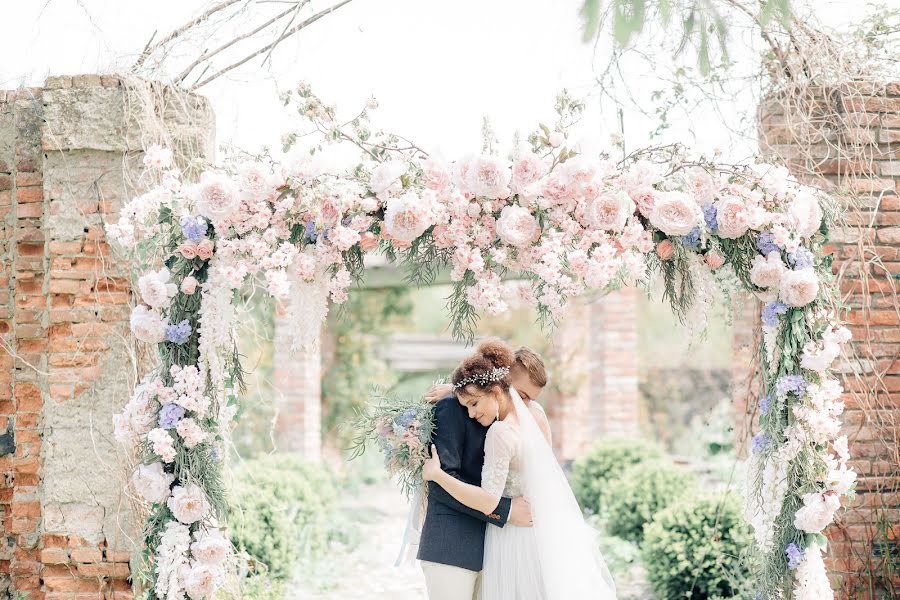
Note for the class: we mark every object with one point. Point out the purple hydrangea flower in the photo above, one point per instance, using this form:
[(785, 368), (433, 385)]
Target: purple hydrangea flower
[(795, 555), (180, 333), (310, 232), (215, 454), (771, 311), (765, 243), (764, 403), (760, 443), (801, 258), (194, 228), (711, 216), (791, 383), (169, 415), (692, 240), (406, 418)]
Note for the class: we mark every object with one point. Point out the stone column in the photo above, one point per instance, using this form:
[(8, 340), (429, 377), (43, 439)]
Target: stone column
[(298, 396), (70, 155)]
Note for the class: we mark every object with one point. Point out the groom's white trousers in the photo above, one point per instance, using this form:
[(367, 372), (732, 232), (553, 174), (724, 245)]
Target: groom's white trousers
[(446, 582)]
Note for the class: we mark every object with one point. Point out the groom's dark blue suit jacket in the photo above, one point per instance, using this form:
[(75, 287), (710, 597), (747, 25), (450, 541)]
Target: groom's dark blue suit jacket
[(453, 533)]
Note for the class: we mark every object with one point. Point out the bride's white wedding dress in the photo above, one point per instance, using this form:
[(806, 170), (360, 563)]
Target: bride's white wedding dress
[(558, 558)]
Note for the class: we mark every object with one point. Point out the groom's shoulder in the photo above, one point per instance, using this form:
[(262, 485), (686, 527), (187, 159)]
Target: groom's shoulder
[(449, 407)]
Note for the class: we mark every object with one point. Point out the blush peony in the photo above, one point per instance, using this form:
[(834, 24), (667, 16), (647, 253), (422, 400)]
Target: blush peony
[(215, 196), (152, 483), (732, 217), (385, 180), (675, 213), (188, 503), (147, 325), (806, 213), (407, 217), (210, 547), (489, 177), (610, 211), (798, 288), (517, 226), (526, 172), (766, 272), (156, 288)]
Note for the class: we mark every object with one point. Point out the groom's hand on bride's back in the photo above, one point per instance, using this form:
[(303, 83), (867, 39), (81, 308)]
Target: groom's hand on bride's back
[(520, 513), (438, 391)]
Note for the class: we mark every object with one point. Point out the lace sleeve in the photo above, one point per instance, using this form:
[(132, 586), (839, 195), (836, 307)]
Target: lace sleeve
[(499, 449)]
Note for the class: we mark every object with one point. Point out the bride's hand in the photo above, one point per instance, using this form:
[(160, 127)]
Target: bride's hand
[(432, 465)]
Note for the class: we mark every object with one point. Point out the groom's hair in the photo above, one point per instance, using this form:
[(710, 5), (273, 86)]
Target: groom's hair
[(533, 364)]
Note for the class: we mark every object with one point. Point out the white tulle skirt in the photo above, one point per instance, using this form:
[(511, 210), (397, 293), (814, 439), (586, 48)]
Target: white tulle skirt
[(512, 569)]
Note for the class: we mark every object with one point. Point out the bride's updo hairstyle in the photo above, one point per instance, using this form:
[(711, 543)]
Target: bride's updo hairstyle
[(487, 370)]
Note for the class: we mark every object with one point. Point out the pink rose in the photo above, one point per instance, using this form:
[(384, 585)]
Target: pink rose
[(714, 259), (216, 197), (188, 250), (766, 272), (517, 226), (526, 171), (665, 250), (189, 285), (798, 288), (205, 249), (368, 241), (610, 211), (644, 197), (436, 175), (732, 217), (675, 213), (343, 238)]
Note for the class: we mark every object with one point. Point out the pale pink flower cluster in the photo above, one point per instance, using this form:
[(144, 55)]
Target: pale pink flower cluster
[(190, 432), (187, 389), (157, 157), (138, 416), (162, 444)]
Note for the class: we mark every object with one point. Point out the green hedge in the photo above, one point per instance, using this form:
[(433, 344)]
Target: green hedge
[(280, 508), (642, 491), (592, 473), (694, 549)]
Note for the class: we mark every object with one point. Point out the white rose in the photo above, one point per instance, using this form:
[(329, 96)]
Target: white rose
[(817, 512), (152, 482), (840, 480), (798, 288), (407, 217), (766, 272), (675, 213), (610, 211), (517, 226), (200, 581), (819, 359), (211, 547), (732, 217), (147, 325), (215, 196), (806, 213), (385, 180), (155, 288), (489, 177), (188, 503)]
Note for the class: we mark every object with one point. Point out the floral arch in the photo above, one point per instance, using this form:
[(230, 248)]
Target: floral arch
[(569, 224)]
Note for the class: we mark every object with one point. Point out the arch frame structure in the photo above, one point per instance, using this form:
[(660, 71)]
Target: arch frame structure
[(566, 223)]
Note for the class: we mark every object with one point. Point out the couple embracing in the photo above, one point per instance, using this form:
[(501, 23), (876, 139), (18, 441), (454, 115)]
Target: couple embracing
[(501, 520)]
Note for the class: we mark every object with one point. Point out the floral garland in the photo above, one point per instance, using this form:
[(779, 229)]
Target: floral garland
[(570, 224)]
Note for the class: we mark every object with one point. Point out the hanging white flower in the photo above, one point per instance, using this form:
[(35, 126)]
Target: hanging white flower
[(152, 482), (170, 558), (817, 511), (157, 289), (188, 503), (811, 578)]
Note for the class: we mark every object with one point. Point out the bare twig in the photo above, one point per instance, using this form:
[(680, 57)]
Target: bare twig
[(268, 47), (181, 31)]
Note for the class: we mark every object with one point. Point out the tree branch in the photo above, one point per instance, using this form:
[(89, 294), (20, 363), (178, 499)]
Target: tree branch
[(268, 47)]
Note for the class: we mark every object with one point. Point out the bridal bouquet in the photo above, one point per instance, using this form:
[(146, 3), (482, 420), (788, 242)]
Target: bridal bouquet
[(401, 428)]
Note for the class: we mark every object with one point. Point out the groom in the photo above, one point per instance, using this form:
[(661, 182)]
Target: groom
[(451, 546)]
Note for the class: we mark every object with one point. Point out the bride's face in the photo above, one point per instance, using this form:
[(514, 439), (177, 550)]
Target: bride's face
[(483, 405)]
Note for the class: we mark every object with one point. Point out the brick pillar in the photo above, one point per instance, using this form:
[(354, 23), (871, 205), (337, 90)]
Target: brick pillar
[(298, 396), (67, 156), (594, 374), (847, 139), (615, 399)]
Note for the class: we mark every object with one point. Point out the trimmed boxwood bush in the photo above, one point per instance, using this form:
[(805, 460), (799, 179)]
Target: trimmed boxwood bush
[(592, 473), (280, 507), (640, 492), (694, 548)]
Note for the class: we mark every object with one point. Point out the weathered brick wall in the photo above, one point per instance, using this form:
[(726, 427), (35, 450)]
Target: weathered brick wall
[(67, 155), (848, 139)]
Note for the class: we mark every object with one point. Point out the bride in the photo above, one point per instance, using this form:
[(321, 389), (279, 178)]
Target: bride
[(557, 558)]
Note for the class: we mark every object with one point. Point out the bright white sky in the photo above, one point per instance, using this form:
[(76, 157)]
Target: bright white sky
[(437, 68)]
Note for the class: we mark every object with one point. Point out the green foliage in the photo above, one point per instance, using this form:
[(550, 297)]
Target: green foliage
[(355, 369), (281, 504), (254, 587), (640, 492), (694, 549), (701, 22), (593, 473)]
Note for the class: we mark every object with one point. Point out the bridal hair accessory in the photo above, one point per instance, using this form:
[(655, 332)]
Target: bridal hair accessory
[(482, 379)]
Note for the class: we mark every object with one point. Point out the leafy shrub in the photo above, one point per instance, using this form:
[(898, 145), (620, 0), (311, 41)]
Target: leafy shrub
[(640, 492), (281, 504), (592, 473), (693, 549)]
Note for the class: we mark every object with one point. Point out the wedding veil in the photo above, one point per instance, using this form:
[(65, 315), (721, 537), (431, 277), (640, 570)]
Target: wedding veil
[(570, 561)]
